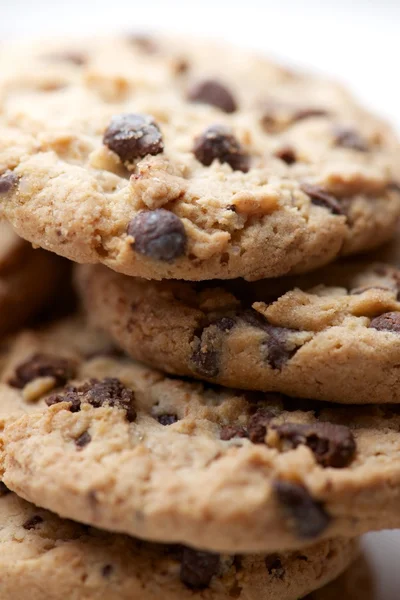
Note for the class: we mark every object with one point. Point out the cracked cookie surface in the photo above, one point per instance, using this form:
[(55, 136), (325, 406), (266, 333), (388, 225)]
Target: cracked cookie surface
[(125, 448), (331, 335), (171, 164)]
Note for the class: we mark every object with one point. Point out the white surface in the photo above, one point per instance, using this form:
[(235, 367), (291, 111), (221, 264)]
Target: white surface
[(354, 40)]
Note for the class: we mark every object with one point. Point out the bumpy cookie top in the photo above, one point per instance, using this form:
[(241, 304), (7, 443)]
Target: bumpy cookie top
[(126, 448), (41, 553), (330, 335), (169, 159)]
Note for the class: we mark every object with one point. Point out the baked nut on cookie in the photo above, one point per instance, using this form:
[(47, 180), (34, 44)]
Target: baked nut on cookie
[(189, 161)]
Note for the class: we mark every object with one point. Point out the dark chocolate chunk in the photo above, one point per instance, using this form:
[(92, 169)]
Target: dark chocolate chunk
[(8, 180), (287, 154), (107, 392), (307, 516), (322, 198), (43, 365), (214, 93), (133, 136), (276, 345), (32, 522), (258, 425), (333, 445), (349, 138), (389, 321), (83, 440), (278, 354), (167, 419), (208, 345), (107, 570), (218, 143), (233, 431), (274, 566), (158, 234), (198, 568)]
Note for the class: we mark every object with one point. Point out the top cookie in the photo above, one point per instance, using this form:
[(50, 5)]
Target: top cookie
[(166, 159)]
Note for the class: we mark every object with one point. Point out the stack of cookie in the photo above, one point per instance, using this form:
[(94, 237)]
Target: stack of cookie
[(206, 194)]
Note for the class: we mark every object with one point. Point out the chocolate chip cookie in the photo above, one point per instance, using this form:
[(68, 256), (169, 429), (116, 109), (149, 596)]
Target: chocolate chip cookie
[(189, 161), (43, 556), (330, 335), (116, 445), (29, 279)]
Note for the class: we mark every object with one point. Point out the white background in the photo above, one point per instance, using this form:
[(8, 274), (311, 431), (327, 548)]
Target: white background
[(355, 40)]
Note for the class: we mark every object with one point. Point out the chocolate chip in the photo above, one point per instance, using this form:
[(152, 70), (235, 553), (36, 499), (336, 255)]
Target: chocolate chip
[(308, 113), (322, 198), (83, 440), (107, 570), (207, 347), (32, 522), (43, 365), (389, 321), (349, 138), (107, 392), (276, 345), (133, 136), (274, 566), (217, 142), (332, 445), (308, 517), (158, 234), (4, 489), (278, 354), (70, 395), (167, 419), (198, 568), (287, 154), (214, 93), (233, 431), (258, 425), (7, 181)]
